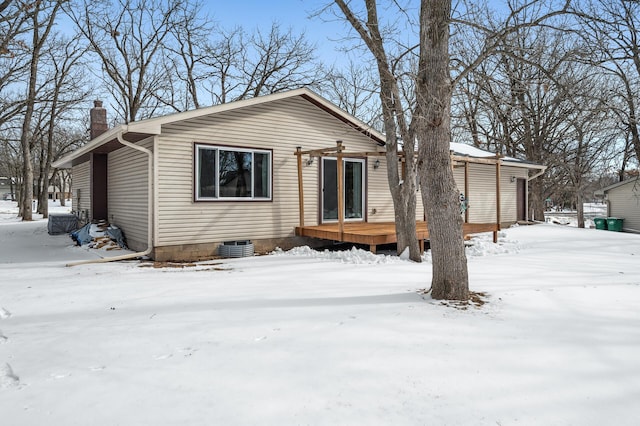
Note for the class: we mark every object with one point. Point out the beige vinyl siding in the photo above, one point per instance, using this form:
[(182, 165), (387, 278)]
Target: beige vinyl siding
[(380, 204), (279, 126), (624, 202), (482, 192), (380, 197), (81, 189), (127, 193), (509, 192)]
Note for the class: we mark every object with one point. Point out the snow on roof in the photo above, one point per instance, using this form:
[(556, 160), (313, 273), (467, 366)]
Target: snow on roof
[(472, 151)]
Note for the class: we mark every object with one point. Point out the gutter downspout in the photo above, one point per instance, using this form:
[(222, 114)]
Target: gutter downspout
[(149, 210)]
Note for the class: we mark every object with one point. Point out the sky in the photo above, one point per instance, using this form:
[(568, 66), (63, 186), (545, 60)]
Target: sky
[(324, 33), (310, 337)]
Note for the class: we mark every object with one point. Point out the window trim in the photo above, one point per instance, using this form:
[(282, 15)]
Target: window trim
[(196, 172), (364, 190)]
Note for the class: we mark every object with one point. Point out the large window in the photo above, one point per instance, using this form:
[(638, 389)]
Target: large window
[(224, 173)]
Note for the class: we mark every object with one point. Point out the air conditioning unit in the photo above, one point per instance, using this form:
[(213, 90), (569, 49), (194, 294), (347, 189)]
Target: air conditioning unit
[(236, 249)]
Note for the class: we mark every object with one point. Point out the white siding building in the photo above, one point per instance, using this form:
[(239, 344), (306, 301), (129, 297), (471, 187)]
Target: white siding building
[(623, 202)]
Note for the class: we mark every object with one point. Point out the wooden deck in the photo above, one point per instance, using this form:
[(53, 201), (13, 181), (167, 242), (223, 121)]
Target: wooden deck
[(375, 234)]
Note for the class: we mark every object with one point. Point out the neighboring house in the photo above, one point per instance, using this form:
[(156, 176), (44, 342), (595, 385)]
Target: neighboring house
[(7, 188), (55, 194), (182, 184), (623, 202)]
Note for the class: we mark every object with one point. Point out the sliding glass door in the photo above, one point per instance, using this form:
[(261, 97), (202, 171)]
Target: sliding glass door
[(353, 189)]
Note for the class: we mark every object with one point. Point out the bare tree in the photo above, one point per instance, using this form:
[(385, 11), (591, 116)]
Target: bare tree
[(242, 65), (520, 101), (66, 139), (15, 60), (188, 51), (395, 117), (63, 89), (223, 64), (14, 21), (425, 118), (591, 139), (354, 89), (612, 28), (42, 19), (232, 64), (439, 191), (128, 37)]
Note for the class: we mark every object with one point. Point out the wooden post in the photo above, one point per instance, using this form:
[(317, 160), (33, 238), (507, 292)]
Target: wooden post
[(340, 190), (300, 186), (498, 218), (466, 190)]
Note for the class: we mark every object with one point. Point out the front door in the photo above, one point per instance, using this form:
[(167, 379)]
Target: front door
[(353, 183)]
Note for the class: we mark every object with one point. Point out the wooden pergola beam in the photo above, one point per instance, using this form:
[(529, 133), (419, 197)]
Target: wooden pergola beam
[(455, 158), (484, 160), (340, 190), (498, 218), (339, 153), (318, 152), (466, 191), (300, 186)]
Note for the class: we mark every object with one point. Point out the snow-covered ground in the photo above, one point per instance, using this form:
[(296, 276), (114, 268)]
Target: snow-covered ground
[(315, 338), (569, 217)]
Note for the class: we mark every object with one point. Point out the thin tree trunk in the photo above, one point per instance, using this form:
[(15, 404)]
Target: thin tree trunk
[(580, 209), (38, 40), (403, 188), (27, 166), (536, 200)]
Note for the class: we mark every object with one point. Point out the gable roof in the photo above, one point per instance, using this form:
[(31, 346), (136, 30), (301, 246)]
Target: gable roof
[(138, 130), (602, 191)]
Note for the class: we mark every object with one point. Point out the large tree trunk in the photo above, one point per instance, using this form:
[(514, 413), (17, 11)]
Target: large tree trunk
[(439, 193)]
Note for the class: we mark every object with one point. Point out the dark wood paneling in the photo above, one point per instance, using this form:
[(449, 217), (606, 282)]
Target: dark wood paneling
[(521, 200), (99, 205)]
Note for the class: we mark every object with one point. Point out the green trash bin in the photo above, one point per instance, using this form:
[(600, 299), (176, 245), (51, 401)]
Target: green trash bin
[(614, 224), (601, 222)]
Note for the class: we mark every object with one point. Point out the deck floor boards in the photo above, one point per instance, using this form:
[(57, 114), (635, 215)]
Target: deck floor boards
[(374, 234)]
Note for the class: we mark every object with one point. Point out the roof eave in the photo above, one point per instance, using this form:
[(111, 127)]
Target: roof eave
[(153, 126), (617, 184), (110, 135)]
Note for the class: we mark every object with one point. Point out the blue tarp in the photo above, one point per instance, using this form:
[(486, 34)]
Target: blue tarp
[(117, 236), (82, 235)]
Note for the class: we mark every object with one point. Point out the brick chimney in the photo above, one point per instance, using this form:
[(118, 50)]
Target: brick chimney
[(98, 117)]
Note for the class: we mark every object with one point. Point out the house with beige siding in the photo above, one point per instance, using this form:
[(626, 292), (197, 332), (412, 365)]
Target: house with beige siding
[(623, 202), (182, 184)]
